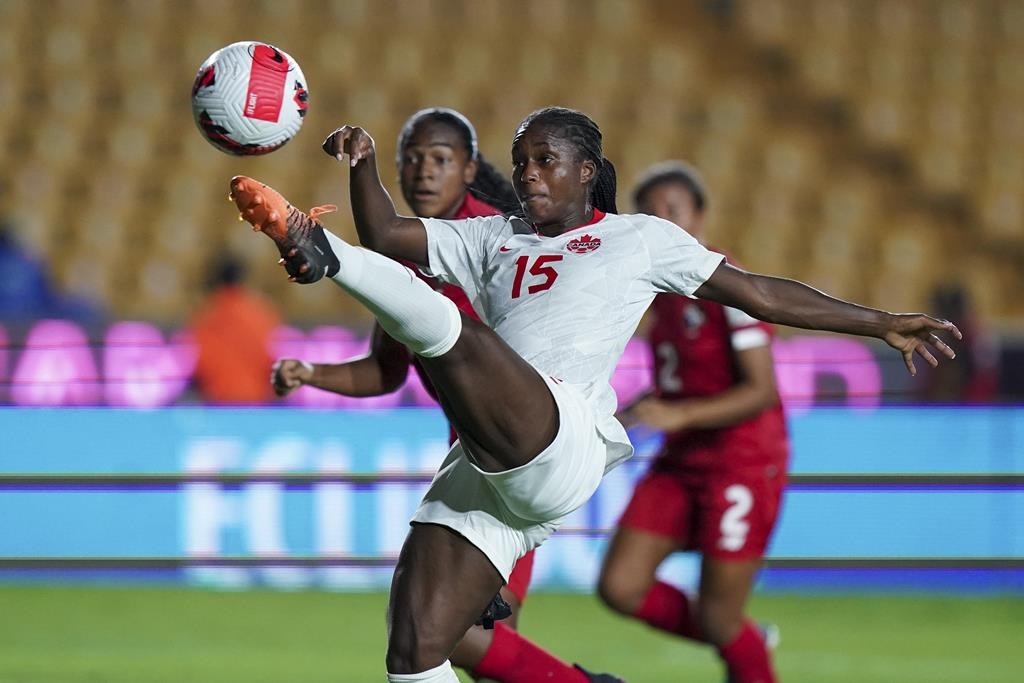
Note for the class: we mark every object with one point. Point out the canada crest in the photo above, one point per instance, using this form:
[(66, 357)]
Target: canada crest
[(584, 244)]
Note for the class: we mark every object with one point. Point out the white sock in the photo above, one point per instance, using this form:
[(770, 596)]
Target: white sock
[(406, 307), (440, 674)]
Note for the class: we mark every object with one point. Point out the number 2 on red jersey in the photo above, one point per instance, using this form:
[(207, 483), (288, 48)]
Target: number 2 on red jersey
[(539, 269)]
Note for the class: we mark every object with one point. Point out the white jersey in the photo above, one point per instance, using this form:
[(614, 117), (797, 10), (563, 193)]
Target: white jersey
[(569, 304)]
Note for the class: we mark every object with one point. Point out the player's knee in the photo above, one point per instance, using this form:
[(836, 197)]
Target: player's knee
[(720, 620), (620, 591)]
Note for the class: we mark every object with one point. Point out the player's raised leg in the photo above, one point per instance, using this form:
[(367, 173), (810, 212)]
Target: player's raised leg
[(505, 421)]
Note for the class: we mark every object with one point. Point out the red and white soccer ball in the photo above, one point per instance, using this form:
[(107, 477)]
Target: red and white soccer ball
[(249, 98)]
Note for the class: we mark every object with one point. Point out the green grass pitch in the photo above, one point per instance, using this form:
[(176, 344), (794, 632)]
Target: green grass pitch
[(165, 635)]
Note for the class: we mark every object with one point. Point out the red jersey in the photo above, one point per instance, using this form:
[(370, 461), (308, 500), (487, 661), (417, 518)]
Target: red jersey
[(471, 208), (694, 343)]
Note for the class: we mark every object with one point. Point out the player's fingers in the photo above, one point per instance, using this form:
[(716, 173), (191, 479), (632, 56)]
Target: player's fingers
[(942, 346), (358, 148), (943, 325), (640, 413), (343, 145), (282, 388), (923, 351), (361, 146), (908, 360), (334, 141)]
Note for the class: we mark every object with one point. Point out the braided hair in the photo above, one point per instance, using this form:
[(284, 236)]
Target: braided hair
[(489, 185), (672, 172), (580, 130)]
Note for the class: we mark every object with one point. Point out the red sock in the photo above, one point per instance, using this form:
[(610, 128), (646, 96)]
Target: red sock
[(514, 659), (668, 609), (747, 657)]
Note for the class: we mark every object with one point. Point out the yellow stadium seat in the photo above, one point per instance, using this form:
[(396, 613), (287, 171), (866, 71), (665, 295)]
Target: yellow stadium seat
[(944, 167), (935, 83), (900, 22), (789, 160), (1003, 213), (769, 22), (88, 275)]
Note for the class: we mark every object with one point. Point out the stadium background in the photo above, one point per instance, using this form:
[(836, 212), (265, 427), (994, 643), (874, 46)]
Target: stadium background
[(872, 148)]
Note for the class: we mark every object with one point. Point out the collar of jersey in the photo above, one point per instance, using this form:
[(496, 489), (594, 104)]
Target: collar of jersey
[(598, 217)]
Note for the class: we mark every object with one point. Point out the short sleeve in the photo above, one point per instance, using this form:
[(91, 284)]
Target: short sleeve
[(746, 332), (679, 263), (458, 249)]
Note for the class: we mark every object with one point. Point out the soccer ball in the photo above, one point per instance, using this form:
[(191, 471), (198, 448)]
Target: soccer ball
[(249, 98)]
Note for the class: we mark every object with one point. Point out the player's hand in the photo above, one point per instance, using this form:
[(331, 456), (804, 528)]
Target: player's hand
[(912, 333), (350, 140), (664, 416), (288, 374)]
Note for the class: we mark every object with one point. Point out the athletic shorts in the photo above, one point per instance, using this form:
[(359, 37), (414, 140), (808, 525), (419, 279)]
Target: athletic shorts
[(508, 514), (519, 581), (726, 515)]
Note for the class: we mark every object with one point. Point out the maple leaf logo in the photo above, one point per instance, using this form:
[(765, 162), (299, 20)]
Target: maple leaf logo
[(584, 244)]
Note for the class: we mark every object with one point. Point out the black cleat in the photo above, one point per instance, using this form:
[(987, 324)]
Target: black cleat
[(496, 611), (598, 678)]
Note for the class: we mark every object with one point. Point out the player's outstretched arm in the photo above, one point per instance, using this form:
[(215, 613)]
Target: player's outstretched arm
[(788, 302), (381, 371), (379, 226), (754, 392)]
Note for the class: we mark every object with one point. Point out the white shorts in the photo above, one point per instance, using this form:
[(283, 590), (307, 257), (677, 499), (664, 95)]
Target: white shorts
[(507, 514)]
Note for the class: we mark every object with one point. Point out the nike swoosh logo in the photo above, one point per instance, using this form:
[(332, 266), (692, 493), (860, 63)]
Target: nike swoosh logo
[(504, 249)]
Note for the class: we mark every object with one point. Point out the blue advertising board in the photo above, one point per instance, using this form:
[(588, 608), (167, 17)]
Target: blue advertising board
[(321, 498)]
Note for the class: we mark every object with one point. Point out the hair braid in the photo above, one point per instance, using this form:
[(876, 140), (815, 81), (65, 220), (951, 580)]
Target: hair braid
[(585, 134), (491, 186), (602, 193)]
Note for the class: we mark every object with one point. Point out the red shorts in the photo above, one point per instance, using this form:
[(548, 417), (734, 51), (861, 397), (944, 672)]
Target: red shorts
[(519, 579), (727, 515)]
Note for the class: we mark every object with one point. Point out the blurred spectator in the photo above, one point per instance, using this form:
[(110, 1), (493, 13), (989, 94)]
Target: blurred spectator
[(26, 292), (24, 287), (974, 377), (233, 329)]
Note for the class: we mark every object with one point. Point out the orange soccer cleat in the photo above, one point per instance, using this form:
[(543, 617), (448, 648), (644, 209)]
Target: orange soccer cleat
[(300, 239)]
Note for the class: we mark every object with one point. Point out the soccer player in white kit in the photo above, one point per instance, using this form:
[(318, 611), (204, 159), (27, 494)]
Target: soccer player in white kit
[(560, 290)]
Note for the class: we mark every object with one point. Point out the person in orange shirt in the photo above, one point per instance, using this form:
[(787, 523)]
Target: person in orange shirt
[(232, 330)]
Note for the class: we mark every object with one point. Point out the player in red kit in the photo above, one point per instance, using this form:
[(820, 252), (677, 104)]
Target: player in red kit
[(717, 483), (442, 175)]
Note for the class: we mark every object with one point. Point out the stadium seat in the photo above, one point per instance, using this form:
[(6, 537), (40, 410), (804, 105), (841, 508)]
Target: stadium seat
[(916, 77)]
